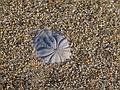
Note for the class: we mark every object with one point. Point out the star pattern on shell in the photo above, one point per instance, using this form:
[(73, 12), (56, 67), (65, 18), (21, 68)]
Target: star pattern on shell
[(51, 46)]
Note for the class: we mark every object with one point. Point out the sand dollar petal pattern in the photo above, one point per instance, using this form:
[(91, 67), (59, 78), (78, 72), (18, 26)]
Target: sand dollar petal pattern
[(51, 46)]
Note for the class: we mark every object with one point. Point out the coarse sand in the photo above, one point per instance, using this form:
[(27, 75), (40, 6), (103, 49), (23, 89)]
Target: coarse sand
[(92, 28)]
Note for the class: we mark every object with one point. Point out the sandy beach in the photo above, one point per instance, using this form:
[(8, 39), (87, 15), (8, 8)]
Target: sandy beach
[(91, 26)]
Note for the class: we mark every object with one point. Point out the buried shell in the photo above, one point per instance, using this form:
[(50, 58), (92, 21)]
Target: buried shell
[(51, 46)]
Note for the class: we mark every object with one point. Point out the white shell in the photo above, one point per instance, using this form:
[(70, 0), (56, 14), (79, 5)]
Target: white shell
[(51, 46)]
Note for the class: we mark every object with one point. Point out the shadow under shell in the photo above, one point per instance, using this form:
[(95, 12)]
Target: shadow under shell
[(51, 46)]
